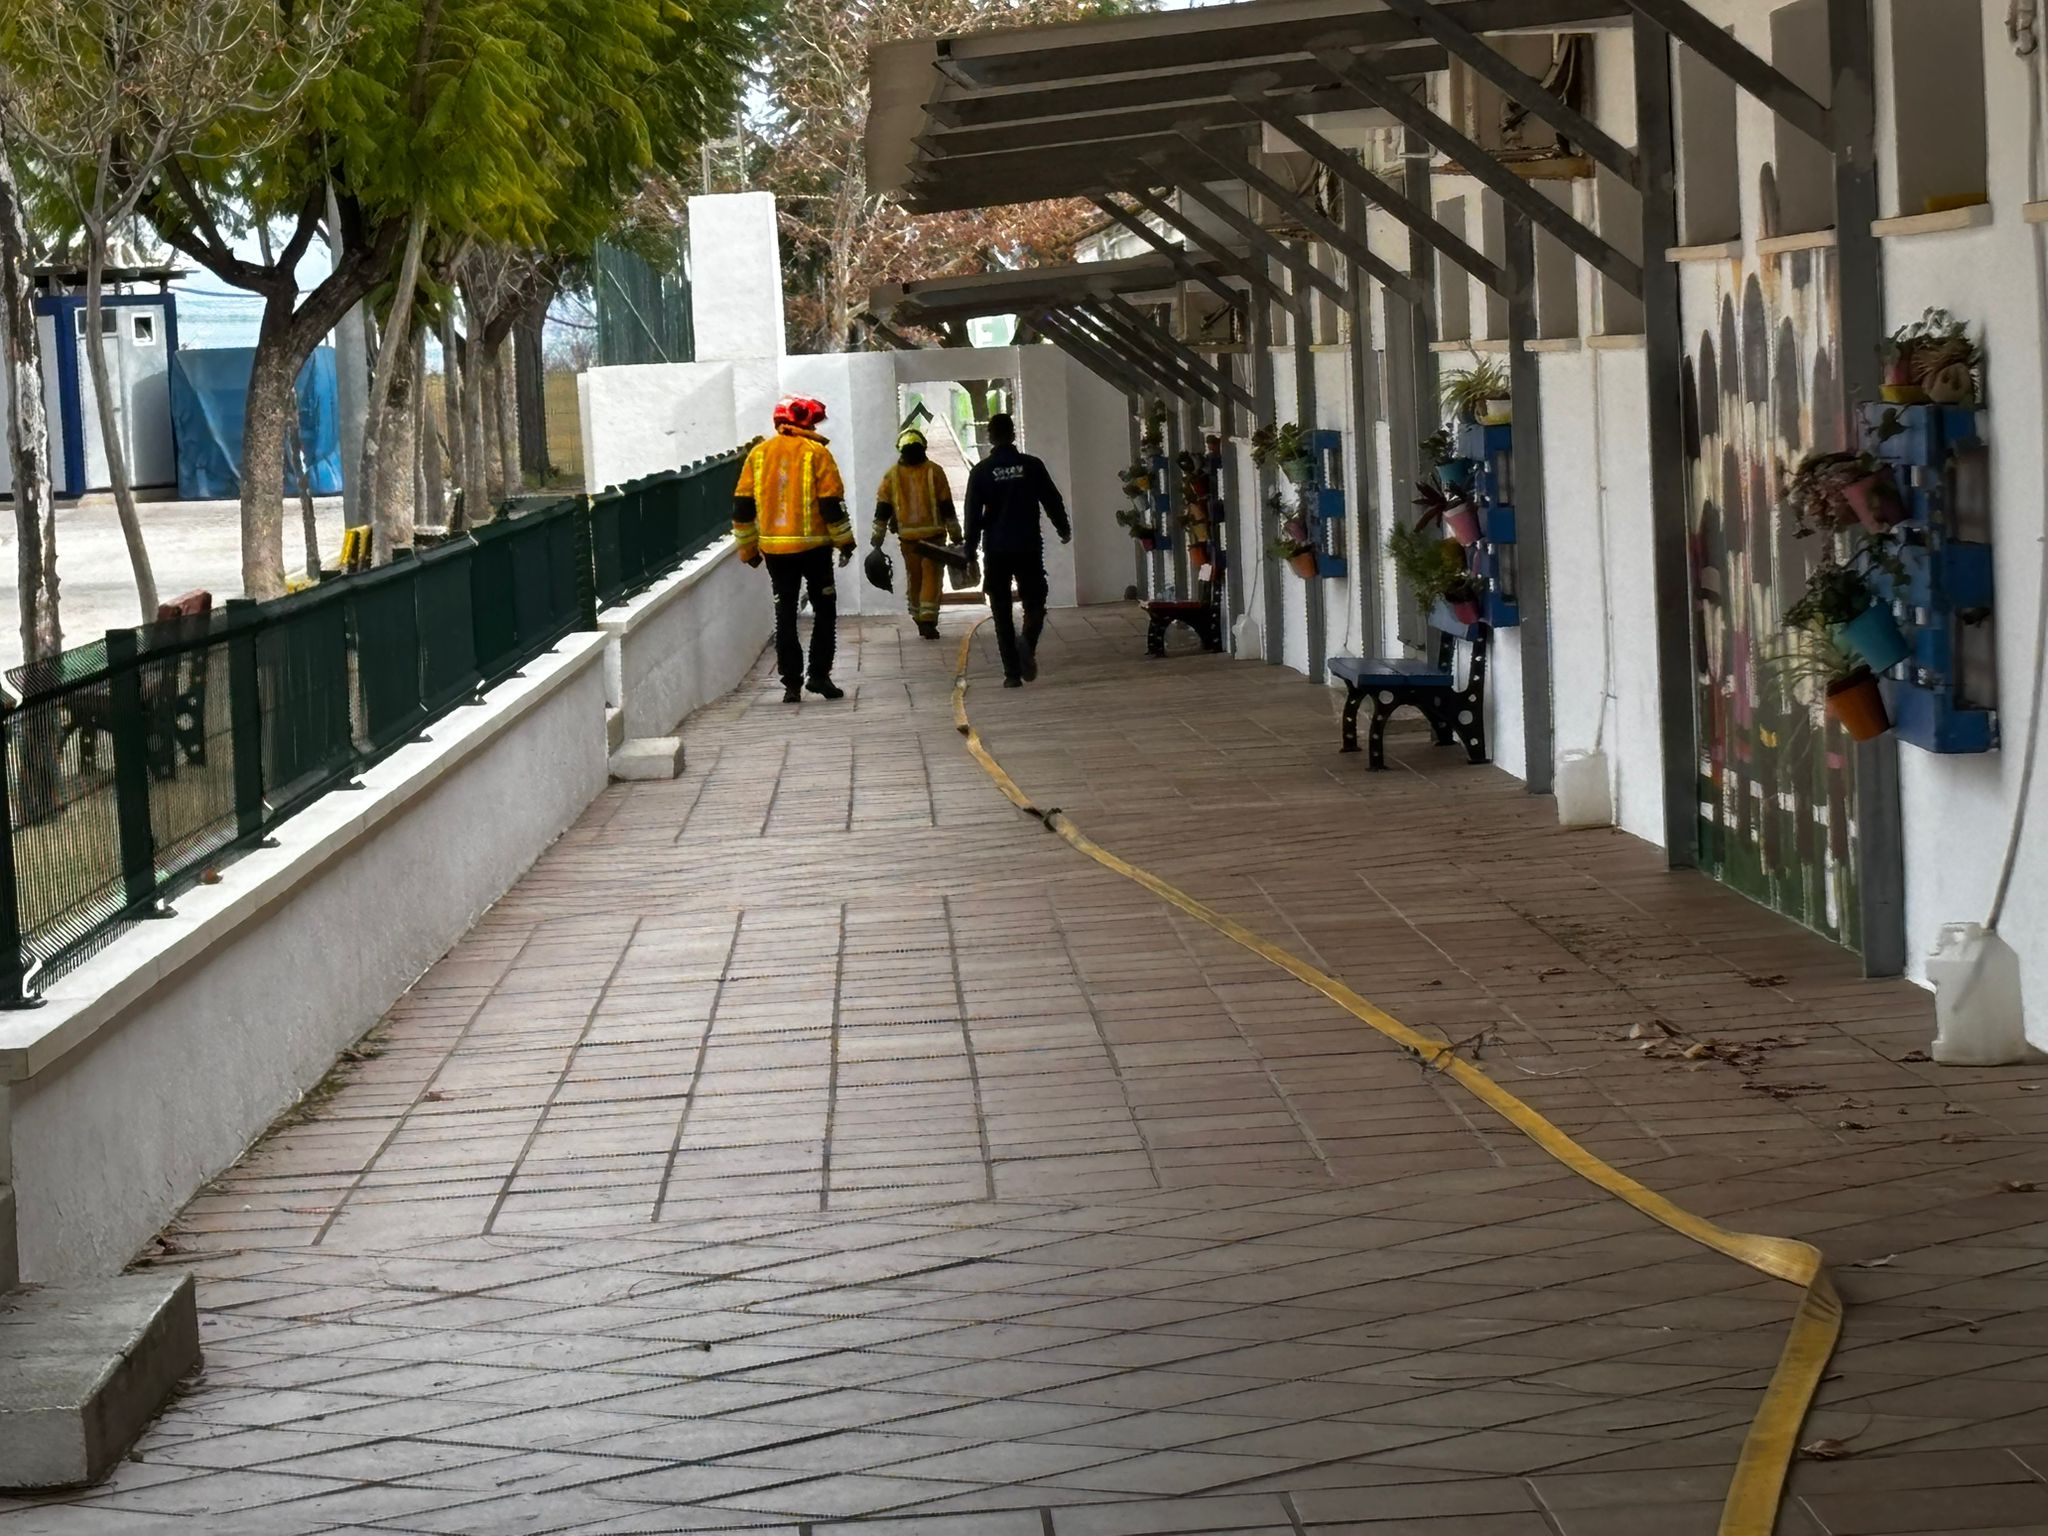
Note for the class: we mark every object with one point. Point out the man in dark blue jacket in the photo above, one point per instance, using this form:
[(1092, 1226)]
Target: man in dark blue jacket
[(1004, 494)]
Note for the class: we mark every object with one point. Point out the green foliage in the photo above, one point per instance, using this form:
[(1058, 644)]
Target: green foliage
[(1284, 445), (1428, 564), (1465, 391)]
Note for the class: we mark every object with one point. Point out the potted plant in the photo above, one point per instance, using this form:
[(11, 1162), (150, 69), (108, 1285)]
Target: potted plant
[(1478, 393), (1838, 603), (1293, 543), (1154, 434), (1443, 504), (1463, 594), (1136, 481), (1829, 492), (1851, 695), (1932, 359), (1427, 562), (1134, 521), (1284, 446)]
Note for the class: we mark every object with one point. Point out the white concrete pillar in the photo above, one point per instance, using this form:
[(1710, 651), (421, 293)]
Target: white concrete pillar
[(736, 277)]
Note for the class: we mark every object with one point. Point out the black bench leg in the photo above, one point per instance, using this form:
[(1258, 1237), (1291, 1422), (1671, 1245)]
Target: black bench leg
[(1211, 632), (1155, 635), (1467, 717), (1383, 708), (1438, 715), (1352, 699)]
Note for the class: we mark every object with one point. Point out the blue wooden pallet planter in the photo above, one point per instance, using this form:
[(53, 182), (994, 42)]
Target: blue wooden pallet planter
[(1931, 720)]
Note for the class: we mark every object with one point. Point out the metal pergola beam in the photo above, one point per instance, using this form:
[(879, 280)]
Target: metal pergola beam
[(1492, 65), (1417, 217), (1141, 51), (1227, 389), (1173, 253), (1775, 90), (1532, 558), (1141, 342), (1305, 271), (1075, 98), (886, 331), (1105, 368), (1323, 228), (1349, 70), (1260, 283)]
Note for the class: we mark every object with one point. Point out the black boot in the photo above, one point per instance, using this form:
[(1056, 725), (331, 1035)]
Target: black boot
[(825, 688), (791, 694)]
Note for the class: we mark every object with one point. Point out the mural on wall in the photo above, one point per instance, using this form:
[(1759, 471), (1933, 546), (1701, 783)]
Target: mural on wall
[(1777, 784)]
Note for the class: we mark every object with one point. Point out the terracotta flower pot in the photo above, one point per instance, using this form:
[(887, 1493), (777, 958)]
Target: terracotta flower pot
[(1875, 500), (1903, 394), (1304, 563), (1465, 610), (1857, 705), (1147, 543), (1198, 556), (1462, 523)]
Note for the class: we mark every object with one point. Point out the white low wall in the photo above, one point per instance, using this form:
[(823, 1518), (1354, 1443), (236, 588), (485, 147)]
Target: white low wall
[(685, 641), (154, 1065)]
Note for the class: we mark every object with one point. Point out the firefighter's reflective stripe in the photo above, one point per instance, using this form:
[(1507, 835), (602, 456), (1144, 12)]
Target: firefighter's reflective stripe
[(914, 493), (788, 477)]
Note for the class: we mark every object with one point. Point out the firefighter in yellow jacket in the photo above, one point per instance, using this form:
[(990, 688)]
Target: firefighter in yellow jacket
[(916, 501), (789, 509)]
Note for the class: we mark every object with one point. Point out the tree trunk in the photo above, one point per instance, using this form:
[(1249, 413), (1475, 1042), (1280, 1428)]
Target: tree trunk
[(485, 364), (391, 522), (110, 427), (435, 500), (422, 433), (476, 494), (503, 366), (309, 517), (28, 433), (352, 385), (530, 372), (272, 407), (394, 356), (453, 391)]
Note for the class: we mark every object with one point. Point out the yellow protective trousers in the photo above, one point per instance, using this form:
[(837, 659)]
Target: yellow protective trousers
[(923, 580)]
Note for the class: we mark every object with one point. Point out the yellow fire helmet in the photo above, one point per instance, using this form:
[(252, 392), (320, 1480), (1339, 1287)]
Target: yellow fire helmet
[(907, 437)]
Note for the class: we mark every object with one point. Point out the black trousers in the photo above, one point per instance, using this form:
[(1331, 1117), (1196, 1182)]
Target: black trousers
[(1027, 573), (788, 575)]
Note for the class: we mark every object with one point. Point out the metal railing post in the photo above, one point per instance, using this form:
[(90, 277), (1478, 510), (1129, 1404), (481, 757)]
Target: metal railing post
[(586, 567), (245, 717), (130, 730), (13, 961)]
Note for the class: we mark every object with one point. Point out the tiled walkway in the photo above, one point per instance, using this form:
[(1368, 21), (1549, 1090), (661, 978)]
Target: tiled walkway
[(816, 1144)]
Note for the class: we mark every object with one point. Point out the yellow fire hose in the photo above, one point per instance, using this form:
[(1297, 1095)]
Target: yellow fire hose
[(1751, 1508)]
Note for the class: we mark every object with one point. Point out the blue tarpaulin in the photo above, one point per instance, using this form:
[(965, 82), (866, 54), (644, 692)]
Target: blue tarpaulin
[(209, 394)]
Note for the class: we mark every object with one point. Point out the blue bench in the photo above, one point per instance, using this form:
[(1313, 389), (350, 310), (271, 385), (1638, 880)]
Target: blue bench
[(1455, 712)]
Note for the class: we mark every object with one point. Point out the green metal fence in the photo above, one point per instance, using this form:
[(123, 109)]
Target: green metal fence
[(136, 764)]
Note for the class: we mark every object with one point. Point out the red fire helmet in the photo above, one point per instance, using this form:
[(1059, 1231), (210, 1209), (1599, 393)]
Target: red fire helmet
[(797, 411)]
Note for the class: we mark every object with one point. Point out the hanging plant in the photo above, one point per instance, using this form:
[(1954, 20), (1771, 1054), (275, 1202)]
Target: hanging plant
[(1154, 435), (1463, 594), (1478, 393), (1439, 503), (1136, 522), (1283, 446), (1831, 492), (1932, 359), (1850, 692), (1292, 542), (1429, 563)]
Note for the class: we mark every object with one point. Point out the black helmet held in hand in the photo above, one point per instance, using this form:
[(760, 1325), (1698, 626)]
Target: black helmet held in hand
[(880, 569)]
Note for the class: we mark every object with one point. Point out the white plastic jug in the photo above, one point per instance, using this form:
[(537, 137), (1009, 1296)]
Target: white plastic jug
[(1979, 1019), (1584, 798), (1245, 639)]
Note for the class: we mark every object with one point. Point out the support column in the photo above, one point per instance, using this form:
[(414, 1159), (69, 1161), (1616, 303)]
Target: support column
[(1670, 510), (1271, 618), (1859, 289), (1532, 560), (1305, 416), (1364, 466), (1411, 368)]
